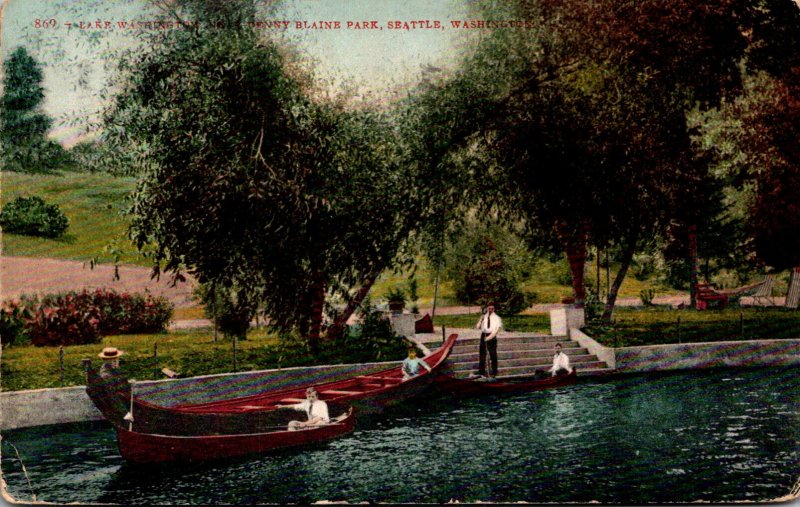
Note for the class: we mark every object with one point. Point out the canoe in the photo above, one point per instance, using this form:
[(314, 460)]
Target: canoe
[(453, 385), (111, 393), (148, 448)]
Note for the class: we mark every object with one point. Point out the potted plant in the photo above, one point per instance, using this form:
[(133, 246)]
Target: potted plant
[(396, 299)]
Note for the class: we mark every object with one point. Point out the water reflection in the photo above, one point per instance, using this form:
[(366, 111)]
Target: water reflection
[(704, 436)]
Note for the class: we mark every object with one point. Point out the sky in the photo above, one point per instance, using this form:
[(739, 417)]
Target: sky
[(78, 61)]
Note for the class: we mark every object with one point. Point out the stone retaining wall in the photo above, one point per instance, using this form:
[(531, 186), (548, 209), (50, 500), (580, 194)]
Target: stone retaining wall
[(40, 407)]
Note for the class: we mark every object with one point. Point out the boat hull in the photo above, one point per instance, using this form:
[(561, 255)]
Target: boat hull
[(147, 448), (452, 385)]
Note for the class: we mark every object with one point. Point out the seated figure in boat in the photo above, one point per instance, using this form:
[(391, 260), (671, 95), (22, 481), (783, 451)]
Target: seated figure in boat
[(316, 409), (412, 363), (560, 362)]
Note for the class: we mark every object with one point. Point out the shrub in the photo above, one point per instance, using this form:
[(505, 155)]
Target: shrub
[(233, 311), (73, 318), (32, 216), (12, 322)]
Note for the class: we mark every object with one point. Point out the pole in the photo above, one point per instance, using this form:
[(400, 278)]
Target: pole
[(679, 329), (214, 308), (444, 333), (234, 354), (694, 265), (61, 363), (155, 358)]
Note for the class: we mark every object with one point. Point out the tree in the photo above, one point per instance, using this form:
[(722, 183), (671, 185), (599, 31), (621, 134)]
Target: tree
[(23, 126), (250, 181)]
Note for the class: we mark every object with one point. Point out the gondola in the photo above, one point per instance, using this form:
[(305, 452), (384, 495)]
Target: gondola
[(148, 448), (448, 383), (112, 395)]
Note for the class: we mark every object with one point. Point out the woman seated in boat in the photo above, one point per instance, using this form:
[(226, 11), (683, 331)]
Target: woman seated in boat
[(560, 362), (412, 363), (316, 409)]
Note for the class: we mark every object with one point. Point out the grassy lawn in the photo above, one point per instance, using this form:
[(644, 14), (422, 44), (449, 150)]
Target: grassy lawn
[(93, 203), (659, 325)]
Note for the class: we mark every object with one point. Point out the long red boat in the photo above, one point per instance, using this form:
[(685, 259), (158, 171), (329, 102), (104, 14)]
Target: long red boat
[(147, 448), (454, 385), (111, 393)]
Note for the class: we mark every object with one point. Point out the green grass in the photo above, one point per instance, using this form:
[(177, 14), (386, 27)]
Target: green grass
[(659, 325), (93, 203), (533, 323)]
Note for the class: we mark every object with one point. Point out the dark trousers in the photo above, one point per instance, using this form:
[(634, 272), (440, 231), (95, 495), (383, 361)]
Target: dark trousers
[(492, 346)]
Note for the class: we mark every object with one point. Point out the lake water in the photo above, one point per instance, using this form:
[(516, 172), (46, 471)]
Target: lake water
[(717, 435)]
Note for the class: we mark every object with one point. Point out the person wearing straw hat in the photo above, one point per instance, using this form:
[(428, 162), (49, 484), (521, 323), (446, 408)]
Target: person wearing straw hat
[(110, 357)]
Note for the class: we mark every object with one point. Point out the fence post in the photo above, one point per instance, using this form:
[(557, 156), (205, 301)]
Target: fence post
[(61, 363), (679, 329), (155, 358), (444, 334), (235, 365), (614, 330), (741, 323)]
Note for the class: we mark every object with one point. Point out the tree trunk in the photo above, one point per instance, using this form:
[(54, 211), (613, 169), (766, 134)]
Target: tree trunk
[(694, 265), (337, 328), (435, 294), (317, 305), (574, 243), (627, 258)]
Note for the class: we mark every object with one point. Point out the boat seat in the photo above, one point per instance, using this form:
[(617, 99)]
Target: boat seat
[(292, 400), (334, 391), (382, 379)]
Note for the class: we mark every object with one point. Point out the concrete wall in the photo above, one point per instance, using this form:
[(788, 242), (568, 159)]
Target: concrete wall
[(40, 407), (562, 320), (708, 355), (602, 352)]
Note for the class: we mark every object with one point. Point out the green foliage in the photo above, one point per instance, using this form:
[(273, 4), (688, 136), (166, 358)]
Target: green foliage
[(23, 127), (251, 180), (12, 322), (396, 295), (232, 310), (489, 265), (32, 216), (647, 296)]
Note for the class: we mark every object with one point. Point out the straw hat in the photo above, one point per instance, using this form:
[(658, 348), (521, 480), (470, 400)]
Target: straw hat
[(110, 353)]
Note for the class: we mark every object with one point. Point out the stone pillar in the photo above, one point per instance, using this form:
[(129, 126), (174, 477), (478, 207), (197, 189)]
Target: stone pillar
[(564, 319), (403, 324)]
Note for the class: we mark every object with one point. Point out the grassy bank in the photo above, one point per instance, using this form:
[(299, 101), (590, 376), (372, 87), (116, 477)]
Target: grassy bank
[(93, 203), (189, 352), (662, 325)]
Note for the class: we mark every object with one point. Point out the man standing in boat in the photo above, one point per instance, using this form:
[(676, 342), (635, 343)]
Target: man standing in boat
[(560, 362), (489, 324), (316, 409)]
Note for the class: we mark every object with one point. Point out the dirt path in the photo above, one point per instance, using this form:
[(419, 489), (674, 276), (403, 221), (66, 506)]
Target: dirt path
[(33, 275)]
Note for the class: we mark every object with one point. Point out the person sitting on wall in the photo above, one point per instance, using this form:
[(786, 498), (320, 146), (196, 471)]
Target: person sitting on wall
[(110, 357), (412, 363), (316, 409), (560, 362)]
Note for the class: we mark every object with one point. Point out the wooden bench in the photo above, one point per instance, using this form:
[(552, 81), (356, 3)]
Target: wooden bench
[(706, 295)]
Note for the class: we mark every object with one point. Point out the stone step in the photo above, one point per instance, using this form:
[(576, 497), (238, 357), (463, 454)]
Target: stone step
[(522, 361), (531, 369), (582, 372), (463, 348), (515, 338), (462, 355)]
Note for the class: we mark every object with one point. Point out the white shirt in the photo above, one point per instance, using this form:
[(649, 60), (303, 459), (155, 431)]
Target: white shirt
[(318, 409), (490, 323), (560, 360)]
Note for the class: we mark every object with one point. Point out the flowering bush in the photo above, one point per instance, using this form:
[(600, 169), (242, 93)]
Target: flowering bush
[(84, 317)]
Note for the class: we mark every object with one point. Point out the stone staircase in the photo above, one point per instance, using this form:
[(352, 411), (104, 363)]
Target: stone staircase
[(521, 354)]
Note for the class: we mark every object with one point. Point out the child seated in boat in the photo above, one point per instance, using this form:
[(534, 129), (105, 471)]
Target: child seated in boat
[(316, 409), (412, 363)]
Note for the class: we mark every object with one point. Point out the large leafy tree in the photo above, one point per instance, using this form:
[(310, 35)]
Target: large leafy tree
[(251, 184), (23, 125)]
